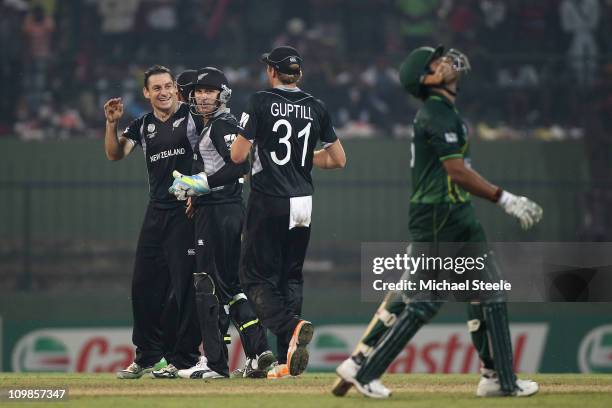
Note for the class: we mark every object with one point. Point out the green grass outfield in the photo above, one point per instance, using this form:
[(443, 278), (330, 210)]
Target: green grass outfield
[(309, 390)]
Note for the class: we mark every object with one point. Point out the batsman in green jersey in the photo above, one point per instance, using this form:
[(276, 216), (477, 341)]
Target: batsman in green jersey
[(441, 211)]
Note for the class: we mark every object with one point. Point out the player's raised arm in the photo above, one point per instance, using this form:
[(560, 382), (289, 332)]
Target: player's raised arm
[(115, 147), (528, 212)]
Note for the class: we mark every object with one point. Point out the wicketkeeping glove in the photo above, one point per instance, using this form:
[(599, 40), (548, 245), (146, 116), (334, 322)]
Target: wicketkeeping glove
[(527, 211), (189, 186)]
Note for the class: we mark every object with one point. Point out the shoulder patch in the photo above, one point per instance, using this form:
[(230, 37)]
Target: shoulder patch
[(229, 139), (451, 137)]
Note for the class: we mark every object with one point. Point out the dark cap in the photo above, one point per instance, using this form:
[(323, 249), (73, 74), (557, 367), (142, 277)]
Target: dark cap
[(186, 77), (281, 58), (210, 77), (185, 81)]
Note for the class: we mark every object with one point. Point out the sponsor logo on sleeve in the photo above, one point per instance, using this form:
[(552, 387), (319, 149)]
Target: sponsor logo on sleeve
[(451, 137), (229, 139), (244, 119)]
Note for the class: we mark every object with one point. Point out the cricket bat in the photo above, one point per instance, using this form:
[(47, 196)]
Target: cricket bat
[(341, 387)]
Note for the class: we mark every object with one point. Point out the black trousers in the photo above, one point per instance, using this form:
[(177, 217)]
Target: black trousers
[(271, 263), (163, 271), (218, 229), (217, 245)]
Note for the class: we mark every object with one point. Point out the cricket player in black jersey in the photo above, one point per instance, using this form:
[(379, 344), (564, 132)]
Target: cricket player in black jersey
[(165, 258), (219, 216), (282, 125)]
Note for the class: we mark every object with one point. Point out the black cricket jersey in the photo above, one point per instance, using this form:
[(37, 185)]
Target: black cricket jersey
[(212, 153), (167, 146), (285, 126)]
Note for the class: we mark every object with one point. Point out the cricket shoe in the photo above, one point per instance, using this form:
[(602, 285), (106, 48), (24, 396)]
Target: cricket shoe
[(239, 372), (278, 371), (265, 361), (347, 371), (133, 371), (297, 354), (196, 370), (160, 364), (250, 370), (200, 370), (256, 367), (169, 371), (489, 386), (210, 375), (373, 389)]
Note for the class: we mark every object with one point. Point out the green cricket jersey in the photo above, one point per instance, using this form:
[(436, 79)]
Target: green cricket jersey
[(439, 134)]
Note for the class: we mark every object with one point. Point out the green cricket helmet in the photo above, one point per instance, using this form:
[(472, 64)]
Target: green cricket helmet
[(416, 66)]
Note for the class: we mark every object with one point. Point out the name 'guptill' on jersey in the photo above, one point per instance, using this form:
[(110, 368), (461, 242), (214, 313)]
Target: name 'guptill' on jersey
[(285, 125)]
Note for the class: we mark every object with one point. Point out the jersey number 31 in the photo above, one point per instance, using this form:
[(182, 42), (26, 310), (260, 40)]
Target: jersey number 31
[(285, 140)]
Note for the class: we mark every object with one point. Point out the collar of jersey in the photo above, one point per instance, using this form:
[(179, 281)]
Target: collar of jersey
[(179, 105), (441, 98), (221, 112), (216, 116), (288, 89)]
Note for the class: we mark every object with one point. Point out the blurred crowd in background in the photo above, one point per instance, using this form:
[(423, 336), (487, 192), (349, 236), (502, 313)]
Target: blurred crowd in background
[(541, 69)]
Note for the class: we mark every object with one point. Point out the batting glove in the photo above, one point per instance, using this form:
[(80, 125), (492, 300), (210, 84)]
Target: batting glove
[(527, 211), (189, 186)]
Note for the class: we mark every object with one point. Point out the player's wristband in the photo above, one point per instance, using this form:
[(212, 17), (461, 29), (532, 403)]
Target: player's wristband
[(497, 195)]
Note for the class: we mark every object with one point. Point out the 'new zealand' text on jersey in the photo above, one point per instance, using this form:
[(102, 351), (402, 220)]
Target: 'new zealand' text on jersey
[(167, 146), (285, 125), (439, 134), (212, 152)]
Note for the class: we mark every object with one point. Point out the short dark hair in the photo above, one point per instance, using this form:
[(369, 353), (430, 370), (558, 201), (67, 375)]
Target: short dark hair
[(154, 70)]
